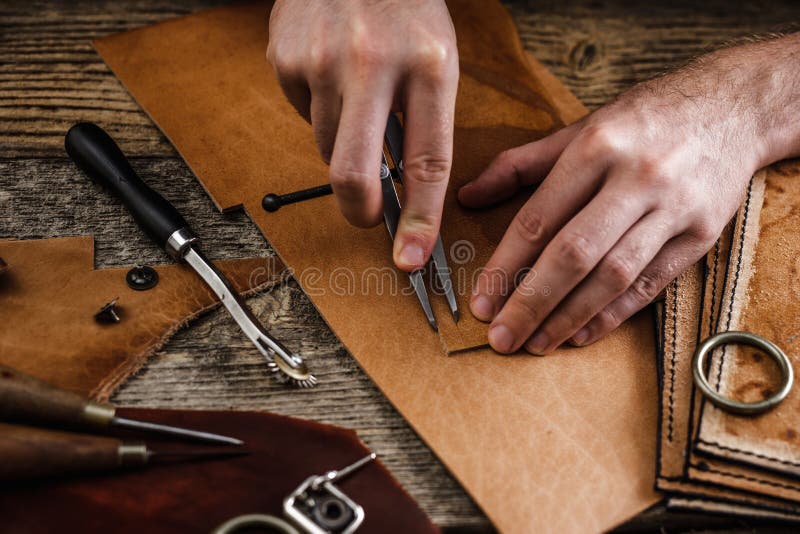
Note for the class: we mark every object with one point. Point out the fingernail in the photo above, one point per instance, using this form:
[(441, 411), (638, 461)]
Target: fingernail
[(465, 186), (412, 254), (482, 308), (501, 339), (581, 336), (538, 343)]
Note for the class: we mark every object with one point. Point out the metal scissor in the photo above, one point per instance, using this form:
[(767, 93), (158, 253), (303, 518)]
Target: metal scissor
[(391, 214)]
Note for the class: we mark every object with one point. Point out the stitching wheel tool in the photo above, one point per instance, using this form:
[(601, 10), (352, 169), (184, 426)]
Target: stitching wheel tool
[(99, 157), (26, 399)]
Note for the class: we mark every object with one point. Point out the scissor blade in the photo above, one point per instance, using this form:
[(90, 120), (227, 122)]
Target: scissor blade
[(394, 139), (443, 274), (422, 295), (391, 215)]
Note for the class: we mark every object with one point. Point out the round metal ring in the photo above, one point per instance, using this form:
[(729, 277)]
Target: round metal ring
[(255, 520), (744, 338)]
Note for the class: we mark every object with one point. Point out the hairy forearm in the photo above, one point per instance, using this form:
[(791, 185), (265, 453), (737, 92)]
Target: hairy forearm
[(752, 92)]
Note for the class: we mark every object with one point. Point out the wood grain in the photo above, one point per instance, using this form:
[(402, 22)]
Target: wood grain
[(50, 78)]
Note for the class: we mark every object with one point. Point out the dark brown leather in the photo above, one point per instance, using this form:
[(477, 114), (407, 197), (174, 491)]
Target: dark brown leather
[(51, 292), (563, 443), (198, 496)]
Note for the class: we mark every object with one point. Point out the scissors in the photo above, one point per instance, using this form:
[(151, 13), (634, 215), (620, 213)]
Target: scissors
[(393, 139)]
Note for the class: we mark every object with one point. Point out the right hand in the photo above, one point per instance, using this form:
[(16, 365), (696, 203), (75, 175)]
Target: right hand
[(345, 65)]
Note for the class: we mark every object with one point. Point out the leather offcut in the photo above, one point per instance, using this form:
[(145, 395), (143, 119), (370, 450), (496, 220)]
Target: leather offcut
[(51, 293)]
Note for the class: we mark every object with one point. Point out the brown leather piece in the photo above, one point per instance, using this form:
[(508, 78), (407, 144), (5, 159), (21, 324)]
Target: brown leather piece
[(51, 293), (198, 496), (765, 301), (741, 262), (691, 310), (746, 459), (563, 443)]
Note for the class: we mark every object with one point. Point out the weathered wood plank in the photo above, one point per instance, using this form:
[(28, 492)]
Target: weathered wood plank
[(50, 78)]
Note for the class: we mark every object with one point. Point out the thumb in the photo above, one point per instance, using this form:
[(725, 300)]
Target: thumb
[(515, 168)]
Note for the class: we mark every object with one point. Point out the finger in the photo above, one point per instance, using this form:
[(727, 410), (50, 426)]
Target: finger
[(515, 168), (563, 193), (613, 276), (565, 262), (356, 159), (676, 256), (427, 157), (293, 84), (326, 107)]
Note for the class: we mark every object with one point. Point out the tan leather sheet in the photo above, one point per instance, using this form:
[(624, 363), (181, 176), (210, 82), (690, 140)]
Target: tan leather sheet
[(556, 444), (50, 293)]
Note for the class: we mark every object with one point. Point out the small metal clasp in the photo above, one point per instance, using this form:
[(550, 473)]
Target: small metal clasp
[(753, 340)]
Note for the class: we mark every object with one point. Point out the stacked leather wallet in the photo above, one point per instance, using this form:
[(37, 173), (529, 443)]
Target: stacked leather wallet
[(709, 458)]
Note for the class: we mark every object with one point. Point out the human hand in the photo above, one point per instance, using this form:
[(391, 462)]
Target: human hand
[(344, 65), (629, 197)]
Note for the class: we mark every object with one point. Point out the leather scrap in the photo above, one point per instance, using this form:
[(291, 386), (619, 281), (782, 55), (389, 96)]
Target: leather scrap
[(557, 444), (50, 295), (199, 496)]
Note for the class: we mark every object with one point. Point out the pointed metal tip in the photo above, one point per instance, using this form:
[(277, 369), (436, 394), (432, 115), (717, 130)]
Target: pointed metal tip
[(178, 432), (433, 324), (198, 454), (456, 314)]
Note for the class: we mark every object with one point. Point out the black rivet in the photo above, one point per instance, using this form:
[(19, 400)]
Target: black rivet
[(108, 313), (141, 277)]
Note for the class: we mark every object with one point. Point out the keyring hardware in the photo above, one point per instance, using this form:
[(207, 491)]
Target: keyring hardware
[(753, 340)]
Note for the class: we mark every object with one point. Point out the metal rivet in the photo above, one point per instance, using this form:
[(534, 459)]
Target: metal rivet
[(142, 277), (108, 313)]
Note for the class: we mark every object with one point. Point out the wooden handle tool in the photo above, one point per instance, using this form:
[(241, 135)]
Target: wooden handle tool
[(27, 399), (30, 453)]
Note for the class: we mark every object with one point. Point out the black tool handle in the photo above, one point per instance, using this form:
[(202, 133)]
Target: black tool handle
[(97, 155)]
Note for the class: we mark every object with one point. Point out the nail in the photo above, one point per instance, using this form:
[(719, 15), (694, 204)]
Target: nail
[(482, 308), (538, 343), (412, 255), (501, 339), (581, 336)]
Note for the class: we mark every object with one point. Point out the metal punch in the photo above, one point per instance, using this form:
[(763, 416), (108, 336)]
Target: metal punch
[(391, 215)]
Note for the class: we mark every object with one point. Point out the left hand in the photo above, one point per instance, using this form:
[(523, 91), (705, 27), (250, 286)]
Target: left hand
[(626, 200)]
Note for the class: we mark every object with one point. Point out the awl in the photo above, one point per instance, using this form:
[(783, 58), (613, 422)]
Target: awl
[(29, 453), (97, 155), (28, 400)]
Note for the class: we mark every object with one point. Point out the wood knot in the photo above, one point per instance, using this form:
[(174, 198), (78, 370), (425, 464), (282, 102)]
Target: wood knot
[(584, 54)]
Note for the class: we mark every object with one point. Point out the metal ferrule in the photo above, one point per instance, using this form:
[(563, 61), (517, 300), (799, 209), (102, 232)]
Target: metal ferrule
[(98, 414), (178, 242), (133, 454)]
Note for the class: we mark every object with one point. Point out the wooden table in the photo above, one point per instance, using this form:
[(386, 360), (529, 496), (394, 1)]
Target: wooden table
[(50, 78)]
